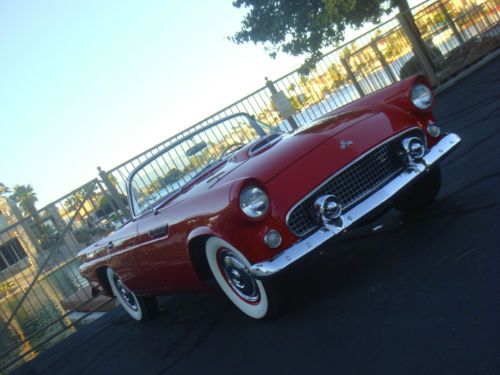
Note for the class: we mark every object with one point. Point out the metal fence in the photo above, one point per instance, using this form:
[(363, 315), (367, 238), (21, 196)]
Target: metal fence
[(38, 266), (456, 33), (39, 270)]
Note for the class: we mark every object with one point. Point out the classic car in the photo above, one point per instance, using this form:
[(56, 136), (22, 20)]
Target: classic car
[(236, 203)]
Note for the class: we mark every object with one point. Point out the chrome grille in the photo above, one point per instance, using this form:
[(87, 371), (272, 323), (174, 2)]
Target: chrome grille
[(353, 183)]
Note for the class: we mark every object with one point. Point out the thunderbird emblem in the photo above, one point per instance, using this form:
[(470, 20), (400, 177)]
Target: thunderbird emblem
[(344, 144)]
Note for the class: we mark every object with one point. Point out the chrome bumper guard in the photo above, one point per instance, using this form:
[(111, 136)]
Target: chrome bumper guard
[(305, 246)]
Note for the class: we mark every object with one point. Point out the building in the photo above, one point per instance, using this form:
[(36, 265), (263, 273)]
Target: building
[(18, 245)]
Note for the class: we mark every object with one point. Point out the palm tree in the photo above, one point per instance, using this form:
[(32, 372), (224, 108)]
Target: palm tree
[(25, 196), (3, 189), (74, 203)]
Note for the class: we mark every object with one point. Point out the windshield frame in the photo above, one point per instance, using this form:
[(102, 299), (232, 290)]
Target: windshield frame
[(259, 128)]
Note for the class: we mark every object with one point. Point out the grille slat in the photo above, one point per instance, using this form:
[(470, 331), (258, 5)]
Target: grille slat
[(353, 183)]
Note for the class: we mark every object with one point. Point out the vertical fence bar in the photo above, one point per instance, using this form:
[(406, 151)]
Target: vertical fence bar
[(112, 191), (450, 22), (383, 61), (352, 77), (275, 96)]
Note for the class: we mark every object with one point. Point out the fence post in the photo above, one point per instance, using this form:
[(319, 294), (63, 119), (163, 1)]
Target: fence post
[(421, 56), (113, 192), (383, 61), (450, 21), (282, 104), (352, 77)]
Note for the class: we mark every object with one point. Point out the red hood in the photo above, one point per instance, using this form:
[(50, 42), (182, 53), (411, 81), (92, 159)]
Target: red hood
[(271, 161)]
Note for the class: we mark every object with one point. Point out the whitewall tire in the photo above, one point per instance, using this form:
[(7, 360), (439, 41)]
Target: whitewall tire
[(139, 308), (231, 270)]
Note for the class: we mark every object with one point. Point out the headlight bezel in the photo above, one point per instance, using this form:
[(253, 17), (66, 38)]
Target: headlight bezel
[(248, 202), (421, 96)]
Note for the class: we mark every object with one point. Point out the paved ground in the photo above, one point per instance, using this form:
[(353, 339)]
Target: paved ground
[(420, 296)]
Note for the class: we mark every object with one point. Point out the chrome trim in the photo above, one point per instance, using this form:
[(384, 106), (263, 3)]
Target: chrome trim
[(329, 178), (302, 248), (407, 145), (277, 137), (239, 277), (344, 144), (325, 204)]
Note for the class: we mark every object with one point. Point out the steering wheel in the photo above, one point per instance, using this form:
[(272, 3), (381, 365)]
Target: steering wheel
[(231, 148)]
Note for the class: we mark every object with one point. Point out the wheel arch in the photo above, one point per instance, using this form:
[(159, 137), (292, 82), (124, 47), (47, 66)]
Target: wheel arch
[(196, 250), (103, 279)]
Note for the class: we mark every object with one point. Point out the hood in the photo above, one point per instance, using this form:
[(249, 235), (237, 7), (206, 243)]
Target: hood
[(268, 162)]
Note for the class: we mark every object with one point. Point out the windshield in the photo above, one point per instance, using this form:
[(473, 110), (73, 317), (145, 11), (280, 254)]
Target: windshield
[(179, 163)]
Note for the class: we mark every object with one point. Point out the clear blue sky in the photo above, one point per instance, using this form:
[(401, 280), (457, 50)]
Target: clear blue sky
[(93, 83)]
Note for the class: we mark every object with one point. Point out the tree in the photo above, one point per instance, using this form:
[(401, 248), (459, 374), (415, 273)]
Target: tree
[(4, 189), (106, 207), (25, 196), (304, 27), (48, 235), (76, 201)]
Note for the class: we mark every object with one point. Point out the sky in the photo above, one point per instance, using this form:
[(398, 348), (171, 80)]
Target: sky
[(93, 83)]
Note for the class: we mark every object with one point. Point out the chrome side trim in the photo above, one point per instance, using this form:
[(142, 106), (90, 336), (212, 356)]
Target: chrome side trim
[(300, 249), (329, 178)]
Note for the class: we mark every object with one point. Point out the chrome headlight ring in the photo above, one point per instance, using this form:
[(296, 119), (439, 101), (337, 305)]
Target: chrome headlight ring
[(254, 202), (421, 96)]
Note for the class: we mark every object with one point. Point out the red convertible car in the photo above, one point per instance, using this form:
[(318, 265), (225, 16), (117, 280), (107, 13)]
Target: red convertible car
[(238, 203)]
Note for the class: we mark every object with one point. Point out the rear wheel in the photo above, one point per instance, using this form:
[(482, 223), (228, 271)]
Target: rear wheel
[(422, 192), (231, 270), (139, 308)]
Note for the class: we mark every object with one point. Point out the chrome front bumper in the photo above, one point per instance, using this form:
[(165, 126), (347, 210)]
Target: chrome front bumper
[(305, 246)]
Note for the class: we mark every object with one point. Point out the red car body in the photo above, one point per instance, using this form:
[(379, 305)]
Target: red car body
[(162, 252)]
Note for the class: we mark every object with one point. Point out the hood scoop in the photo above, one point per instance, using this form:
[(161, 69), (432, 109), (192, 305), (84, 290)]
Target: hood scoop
[(265, 143)]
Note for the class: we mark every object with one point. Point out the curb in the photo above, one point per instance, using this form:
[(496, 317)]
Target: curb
[(467, 72)]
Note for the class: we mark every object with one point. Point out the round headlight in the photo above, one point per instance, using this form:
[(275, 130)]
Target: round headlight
[(254, 202), (421, 96)]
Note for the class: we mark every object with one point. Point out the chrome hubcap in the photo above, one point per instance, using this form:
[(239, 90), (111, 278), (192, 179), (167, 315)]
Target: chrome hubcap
[(238, 276), (126, 294)]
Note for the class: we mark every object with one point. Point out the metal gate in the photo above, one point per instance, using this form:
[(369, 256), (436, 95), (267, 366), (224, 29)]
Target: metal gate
[(39, 269)]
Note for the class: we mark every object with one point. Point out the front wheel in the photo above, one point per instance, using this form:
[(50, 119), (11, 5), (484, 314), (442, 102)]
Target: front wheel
[(422, 193), (139, 308), (231, 270)]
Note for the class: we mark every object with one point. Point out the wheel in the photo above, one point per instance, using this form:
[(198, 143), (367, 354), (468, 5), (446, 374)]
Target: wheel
[(231, 270), (139, 308), (422, 193)]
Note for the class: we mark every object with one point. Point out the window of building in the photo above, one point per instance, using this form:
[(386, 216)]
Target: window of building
[(11, 252)]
